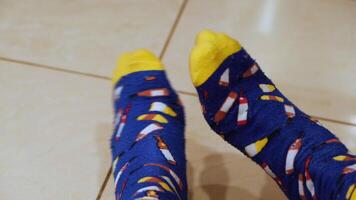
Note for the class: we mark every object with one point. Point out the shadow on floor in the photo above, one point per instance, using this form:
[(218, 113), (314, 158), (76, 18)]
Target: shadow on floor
[(214, 177)]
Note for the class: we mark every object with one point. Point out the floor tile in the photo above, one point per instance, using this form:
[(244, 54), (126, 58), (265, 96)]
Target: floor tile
[(81, 35), (217, 171), (55, 130), (304, 48)]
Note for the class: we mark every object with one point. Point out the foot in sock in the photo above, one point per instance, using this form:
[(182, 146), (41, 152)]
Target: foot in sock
[(148, 139), (243, 106)]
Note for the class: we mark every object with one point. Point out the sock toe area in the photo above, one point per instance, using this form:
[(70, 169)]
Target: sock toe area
[(210, 50), (139, 60)]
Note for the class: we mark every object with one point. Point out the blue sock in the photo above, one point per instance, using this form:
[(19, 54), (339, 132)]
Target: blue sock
[(244, 107), (148, 139)]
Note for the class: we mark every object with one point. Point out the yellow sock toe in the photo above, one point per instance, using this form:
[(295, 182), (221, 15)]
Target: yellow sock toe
[(139, 60), (210, 50)]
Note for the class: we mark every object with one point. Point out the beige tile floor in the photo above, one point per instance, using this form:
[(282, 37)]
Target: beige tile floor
[(55, 109)]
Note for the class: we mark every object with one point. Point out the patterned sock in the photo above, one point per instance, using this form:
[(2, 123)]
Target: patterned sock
[(245, 108), (148, 140)]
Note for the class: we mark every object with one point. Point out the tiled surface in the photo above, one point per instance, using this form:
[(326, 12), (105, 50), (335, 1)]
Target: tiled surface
[(307, 47), (217, 171), (82, 35), (55, 126), (55, 130)]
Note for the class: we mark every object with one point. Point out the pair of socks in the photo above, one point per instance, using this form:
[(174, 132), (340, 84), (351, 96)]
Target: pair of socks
[(240, 104)]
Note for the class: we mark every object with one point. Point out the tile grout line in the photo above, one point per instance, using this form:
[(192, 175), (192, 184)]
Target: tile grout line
[(101, 77), (173, 29), (335, 121), (161, 55), (52, 68), (313, 116), (104, 184)]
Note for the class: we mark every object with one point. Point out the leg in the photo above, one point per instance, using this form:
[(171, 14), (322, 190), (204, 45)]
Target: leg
[(148, 140), (241, 104)]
